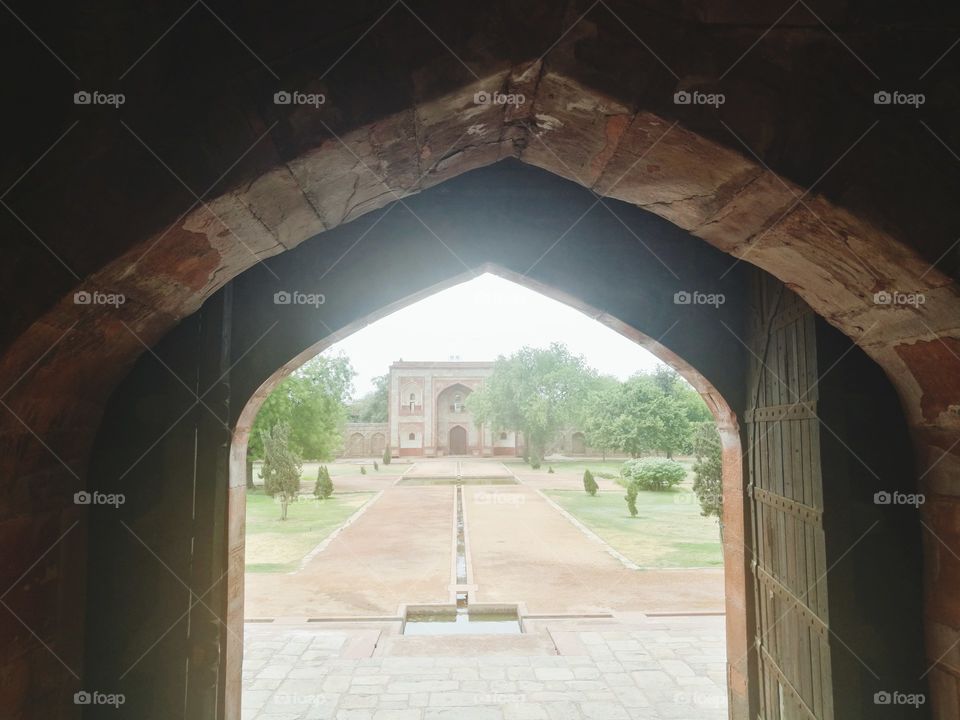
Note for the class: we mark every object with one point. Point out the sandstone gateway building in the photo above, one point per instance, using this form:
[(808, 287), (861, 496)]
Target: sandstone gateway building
[(427, 415)]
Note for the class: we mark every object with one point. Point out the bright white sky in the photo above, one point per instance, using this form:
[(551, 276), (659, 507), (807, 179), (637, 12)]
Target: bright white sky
[(479, 320)]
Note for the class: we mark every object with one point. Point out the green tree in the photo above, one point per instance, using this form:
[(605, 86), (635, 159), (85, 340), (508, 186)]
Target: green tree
[(589, 484), (281, 466), (372, 407), (387, 455), (647, 413), (324, 485), (312, 401), (597, 418), (536, 392), (708, 470), (653, 473)]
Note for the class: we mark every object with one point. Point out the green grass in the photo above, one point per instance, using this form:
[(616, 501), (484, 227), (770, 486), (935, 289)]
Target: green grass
[(309, 472), (566, 466), (275, 545), (668, 532)]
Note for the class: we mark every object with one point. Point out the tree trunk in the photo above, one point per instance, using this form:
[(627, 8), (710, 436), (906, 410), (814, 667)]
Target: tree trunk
[(249, 473)]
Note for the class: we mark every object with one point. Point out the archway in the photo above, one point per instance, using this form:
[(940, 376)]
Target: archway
[(578, 444), (60, 370), (355, 447), (377, 444), (638, 297)]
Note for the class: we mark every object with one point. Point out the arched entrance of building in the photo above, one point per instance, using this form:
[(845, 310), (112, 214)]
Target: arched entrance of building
[(355, 446), (578, 445), (458, 440), (377, 444)]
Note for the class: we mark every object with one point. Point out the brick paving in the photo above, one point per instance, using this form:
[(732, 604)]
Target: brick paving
[(657, 668)]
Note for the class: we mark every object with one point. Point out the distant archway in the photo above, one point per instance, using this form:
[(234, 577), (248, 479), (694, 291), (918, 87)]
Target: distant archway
[(355, 446), (578, 445)]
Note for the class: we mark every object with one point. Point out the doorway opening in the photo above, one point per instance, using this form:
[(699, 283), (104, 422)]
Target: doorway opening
[(440, 545), (458, 440)]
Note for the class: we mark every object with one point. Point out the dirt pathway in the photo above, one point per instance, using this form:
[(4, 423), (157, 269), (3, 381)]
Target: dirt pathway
[(523, 549), (397, 551)]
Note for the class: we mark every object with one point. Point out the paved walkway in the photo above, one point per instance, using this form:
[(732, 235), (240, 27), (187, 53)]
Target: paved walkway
[(656, 669)]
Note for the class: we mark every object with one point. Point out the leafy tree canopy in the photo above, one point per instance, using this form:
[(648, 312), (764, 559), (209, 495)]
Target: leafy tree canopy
[(312, 401), (535, 391), (372, 407), (650, 412)]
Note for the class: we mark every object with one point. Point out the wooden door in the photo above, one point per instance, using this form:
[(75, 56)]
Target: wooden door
[(786, 500), (458, 440)]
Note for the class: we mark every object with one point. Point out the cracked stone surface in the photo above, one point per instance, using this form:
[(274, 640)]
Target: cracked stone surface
[(659, 669)]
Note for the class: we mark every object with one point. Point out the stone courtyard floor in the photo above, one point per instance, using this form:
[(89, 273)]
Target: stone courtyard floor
[(654, 669)]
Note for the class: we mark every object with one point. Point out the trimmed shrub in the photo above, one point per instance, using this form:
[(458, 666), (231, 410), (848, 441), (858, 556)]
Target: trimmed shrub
[(549, 469), (386, 455), (375, 466), (631, 498), (656, 474), (324, 485), (589, 484), (363, 469)]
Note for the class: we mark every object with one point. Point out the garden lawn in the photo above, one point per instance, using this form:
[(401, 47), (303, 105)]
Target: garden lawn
[(275, 545), (668, 532), (309, 470)]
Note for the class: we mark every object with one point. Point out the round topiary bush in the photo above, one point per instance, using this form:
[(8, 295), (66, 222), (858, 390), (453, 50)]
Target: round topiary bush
[(653, 473)]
